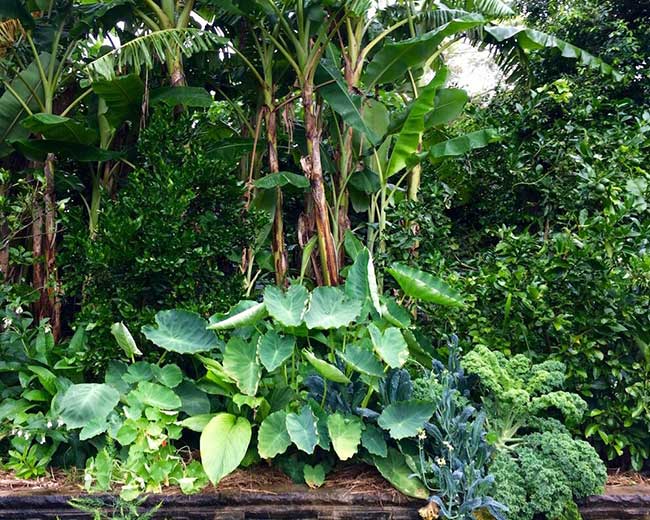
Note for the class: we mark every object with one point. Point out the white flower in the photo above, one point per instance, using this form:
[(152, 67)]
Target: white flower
[(26, 435), (59, 422), (42, 441), (20, 433), (47, 329), (448, 445), (19, 310), (422, 435), (49, 424), (13, 431), (6, 322), (440, 461)]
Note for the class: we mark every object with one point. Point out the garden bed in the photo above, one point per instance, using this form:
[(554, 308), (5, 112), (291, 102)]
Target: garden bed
[(350, 493)]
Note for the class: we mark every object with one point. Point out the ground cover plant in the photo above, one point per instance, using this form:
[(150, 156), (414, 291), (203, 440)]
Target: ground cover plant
[(452, 291)]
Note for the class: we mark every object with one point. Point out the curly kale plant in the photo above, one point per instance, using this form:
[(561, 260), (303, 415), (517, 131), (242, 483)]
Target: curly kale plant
[(545, 474), (515, 392), (539, 468)]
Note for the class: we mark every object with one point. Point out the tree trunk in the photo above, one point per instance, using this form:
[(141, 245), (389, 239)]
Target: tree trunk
[(277, 244), (51, 307), (314, 171), (4, 241)]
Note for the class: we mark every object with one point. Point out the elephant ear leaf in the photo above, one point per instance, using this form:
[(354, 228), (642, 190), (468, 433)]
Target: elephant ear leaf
[(181, 331), (224, 442), (394, 468), (425, 287)]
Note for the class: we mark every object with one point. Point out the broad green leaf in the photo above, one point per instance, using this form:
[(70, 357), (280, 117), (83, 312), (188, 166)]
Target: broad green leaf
[(449, 104), (197, 423), (240, 363), (169, 375), (28, 87), (124, 339), (93, 429), (530, 39), (393, 60), (372, 439), (302, 429), (273, 438), (230, 149), (361, 282), (87, 402), (47, 378), (330, 308), (37, 150), (405, 418), (353, 246), (194, 401), (123, 97), (411, 133), (224, 442), (274, 349), (314, 475), (422, 286), (138, 371), (244, 313), (59, 128), (394, 469), (279, 179), (157, 396), (345, 433), (337, 94), (362, 360), (188, 96), (286, 308), (181, 331), (325, 369), (463, 144), (259, 405), (390, 345)]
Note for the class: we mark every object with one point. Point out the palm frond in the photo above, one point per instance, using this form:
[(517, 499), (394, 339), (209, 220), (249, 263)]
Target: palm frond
[(144, 51), (487, 8)]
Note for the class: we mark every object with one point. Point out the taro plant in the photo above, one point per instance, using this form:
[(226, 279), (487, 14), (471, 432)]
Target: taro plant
[(305, 375)]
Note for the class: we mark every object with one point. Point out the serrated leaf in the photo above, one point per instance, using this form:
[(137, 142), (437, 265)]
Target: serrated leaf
[(330, 308), (240, 363), (422, 286), (325, 369), (302, 429), (345, 433), (286, 308), (405, 418), (274, 349), (390, 345), (224, 443), (181, 331), (273, 438)]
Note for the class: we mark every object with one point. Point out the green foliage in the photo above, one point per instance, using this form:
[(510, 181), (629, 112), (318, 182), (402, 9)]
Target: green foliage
[(545, 474), (156, 245)]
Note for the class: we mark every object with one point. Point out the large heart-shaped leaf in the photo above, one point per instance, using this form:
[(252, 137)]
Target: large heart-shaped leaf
[(87, 402), (158, 396), (302, 429), (345, 433), (330, 308), (394, 468), (286, 308), (325, 369), (273, 438), (422, 286), (274, 349), (405, 418), (240, 363), (224, 442), (362, 360), (181, 331), (390, 345), (245, 313)]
